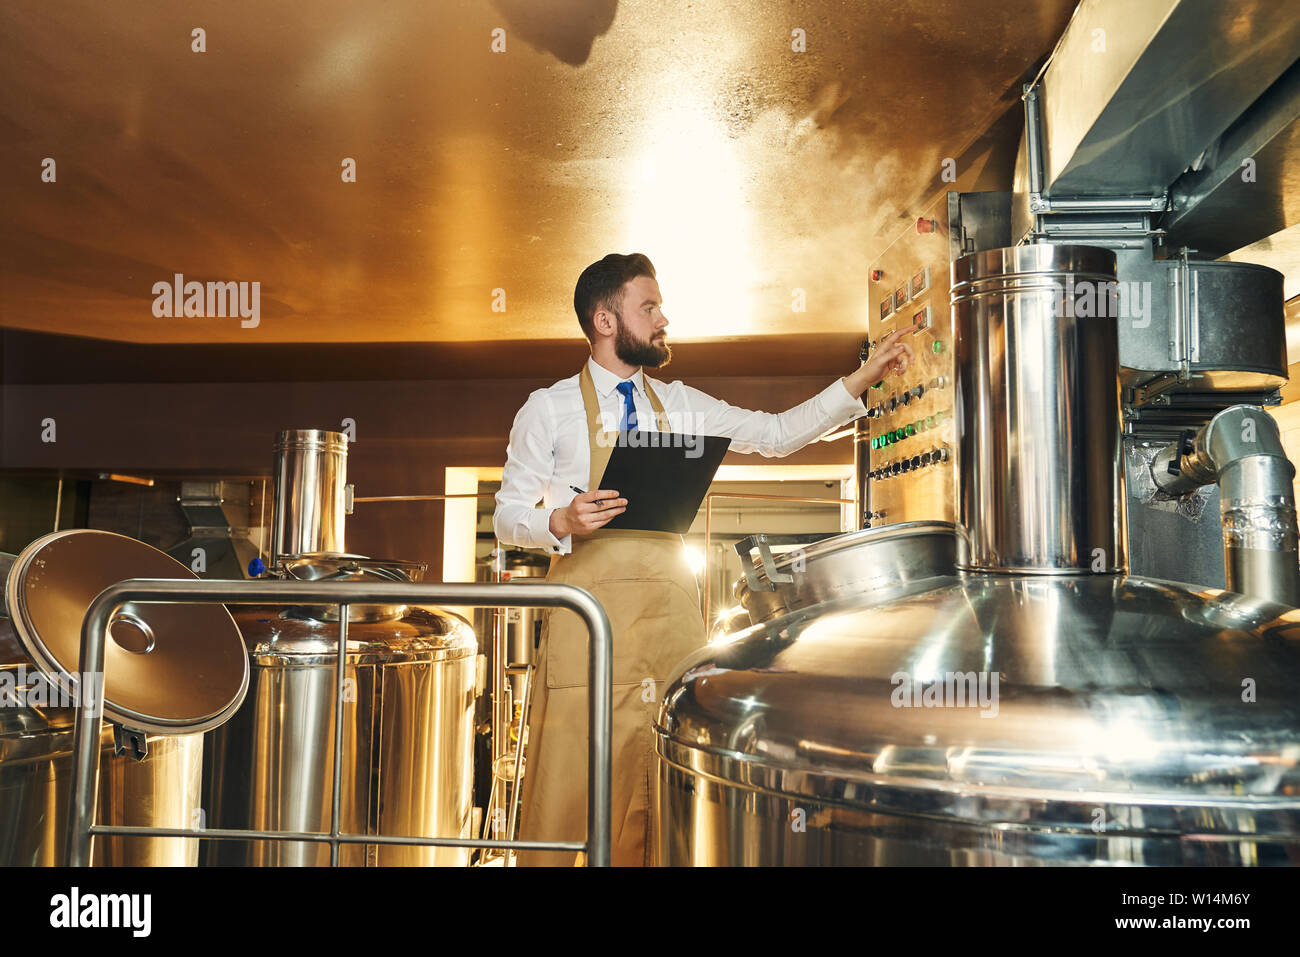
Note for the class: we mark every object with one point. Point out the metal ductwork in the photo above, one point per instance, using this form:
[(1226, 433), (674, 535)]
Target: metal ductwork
[(1134, 94), (218, 514)]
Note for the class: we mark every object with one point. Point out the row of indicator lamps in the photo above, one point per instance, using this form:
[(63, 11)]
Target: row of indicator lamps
[(906, 431), (902, 466)]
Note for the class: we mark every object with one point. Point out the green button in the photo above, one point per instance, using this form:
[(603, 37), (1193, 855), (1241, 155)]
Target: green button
[(911, 430), (875, 443), (936, 346)]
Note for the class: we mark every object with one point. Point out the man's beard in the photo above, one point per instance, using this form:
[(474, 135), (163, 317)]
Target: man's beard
[(655, 354)]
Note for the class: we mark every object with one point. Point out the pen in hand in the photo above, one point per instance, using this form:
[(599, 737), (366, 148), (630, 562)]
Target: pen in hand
[(581, 492)]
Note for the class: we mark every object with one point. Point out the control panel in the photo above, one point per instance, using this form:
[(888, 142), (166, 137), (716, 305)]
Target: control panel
[(911, 436)]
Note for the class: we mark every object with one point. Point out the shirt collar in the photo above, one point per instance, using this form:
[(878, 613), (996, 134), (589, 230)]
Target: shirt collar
[(606, 382)]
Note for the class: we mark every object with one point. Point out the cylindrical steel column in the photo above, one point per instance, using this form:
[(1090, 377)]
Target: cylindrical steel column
[(1037, 368), (861, 473), (311, 474)]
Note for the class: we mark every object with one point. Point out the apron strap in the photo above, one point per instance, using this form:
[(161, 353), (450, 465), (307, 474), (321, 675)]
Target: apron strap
[(602, 448)]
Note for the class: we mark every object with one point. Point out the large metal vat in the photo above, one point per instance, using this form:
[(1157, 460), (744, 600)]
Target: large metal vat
[(170, 675), (1116, 731), (35, 780), (410, 689), (1021, 702)]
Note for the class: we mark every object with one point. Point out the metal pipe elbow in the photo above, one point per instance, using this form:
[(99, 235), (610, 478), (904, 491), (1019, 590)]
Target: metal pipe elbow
[(1241, 450)]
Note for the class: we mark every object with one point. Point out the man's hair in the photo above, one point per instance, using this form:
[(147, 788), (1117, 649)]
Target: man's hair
[(601, 282)]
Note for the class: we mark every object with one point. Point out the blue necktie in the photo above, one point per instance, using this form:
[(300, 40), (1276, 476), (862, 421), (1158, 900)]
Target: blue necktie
[(629, 410)]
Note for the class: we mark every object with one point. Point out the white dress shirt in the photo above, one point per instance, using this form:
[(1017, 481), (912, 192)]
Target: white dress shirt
[(549, 448)]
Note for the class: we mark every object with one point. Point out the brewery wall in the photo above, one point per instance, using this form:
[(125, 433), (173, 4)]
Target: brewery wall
[(407, 434)]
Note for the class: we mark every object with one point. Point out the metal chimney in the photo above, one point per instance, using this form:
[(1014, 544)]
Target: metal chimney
[(1041, 488), (311, 493)]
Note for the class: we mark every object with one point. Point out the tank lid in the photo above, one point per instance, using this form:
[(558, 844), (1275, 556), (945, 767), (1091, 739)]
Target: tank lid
[(168, 668)]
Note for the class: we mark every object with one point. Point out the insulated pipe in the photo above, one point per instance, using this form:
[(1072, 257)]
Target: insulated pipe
[(1241, 450)]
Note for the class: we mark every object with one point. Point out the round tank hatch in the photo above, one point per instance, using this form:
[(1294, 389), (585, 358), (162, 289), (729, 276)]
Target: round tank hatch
[(169, 668)]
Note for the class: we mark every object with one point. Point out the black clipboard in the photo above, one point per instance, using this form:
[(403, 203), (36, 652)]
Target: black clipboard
[(664, 476)]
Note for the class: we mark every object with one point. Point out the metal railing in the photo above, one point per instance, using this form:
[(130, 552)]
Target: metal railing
[(89, 714)]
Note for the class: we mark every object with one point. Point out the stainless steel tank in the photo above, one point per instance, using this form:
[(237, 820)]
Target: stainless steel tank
[(169, 676), (35, 780), (1012, 697), (408, 728)]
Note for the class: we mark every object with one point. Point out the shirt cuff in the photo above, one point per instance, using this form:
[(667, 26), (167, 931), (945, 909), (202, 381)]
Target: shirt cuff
[(841, 405), (542, 533)]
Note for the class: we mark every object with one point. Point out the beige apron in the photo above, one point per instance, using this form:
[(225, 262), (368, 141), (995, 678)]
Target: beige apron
[(649, 592)]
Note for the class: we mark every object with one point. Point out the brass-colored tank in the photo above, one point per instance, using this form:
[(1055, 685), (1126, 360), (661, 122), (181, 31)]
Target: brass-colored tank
[(408, 729)]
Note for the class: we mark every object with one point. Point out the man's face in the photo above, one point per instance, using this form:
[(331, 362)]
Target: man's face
[(641, 339)]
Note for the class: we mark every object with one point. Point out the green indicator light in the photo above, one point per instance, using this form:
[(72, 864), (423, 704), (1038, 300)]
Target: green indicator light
[(937, 346), (875, 443), (911, 430)]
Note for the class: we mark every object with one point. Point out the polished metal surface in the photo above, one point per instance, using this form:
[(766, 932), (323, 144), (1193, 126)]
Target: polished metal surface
[(508, 639), (310, 477), (1136, 92), (1249, 187), (36, 736), (893, 560), (1214, 325), (1039, 471), (81, 827), (1241, 450), (220, 518), (407, 737), (329, 566), (35, 788), (990, 720), (1178, 539), (170, 669)]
